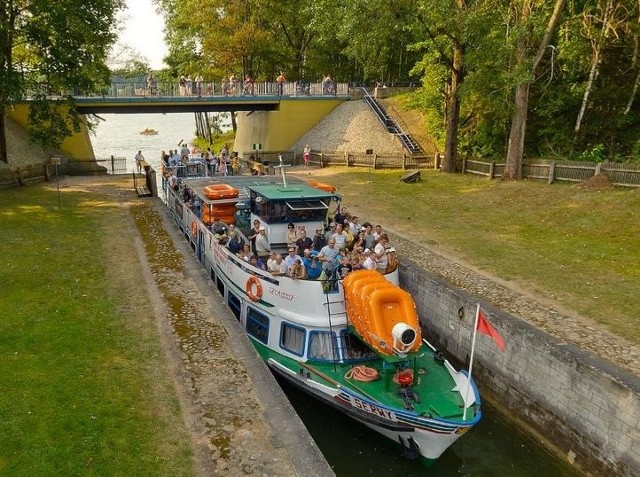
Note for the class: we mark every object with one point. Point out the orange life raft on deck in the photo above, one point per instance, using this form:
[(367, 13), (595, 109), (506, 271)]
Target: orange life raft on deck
[(220, 191), (382, 314), (322, 186), (228, 216)]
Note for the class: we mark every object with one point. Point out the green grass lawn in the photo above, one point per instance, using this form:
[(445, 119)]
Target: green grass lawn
[(575, 245), (84, 388)]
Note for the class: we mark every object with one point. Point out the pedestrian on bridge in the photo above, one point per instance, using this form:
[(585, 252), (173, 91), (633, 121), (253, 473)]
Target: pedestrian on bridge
[(281, 80)]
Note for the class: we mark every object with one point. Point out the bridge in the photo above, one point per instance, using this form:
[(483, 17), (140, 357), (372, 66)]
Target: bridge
[(136, 98), (265, 117)]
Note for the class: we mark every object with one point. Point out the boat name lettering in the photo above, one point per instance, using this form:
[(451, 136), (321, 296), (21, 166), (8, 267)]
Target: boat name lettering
[(220, 255), (281, 294), (372, 408)]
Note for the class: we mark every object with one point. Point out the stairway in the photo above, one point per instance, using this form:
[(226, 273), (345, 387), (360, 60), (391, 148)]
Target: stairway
[(409, 143)]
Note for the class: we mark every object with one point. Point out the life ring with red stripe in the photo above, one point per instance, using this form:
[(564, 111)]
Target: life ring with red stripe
[(194, 228), (253, 289)]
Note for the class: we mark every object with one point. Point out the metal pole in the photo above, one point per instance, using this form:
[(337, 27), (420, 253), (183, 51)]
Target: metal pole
[(58, 187)]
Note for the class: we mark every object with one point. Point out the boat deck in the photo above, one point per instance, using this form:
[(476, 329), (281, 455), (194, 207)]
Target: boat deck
[(434, 387)]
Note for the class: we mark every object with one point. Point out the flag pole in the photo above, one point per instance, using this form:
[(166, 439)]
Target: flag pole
[(473, 348)]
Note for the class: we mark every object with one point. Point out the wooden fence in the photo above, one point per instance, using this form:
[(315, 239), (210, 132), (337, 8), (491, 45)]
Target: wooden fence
[(620, 174), (14, 176)]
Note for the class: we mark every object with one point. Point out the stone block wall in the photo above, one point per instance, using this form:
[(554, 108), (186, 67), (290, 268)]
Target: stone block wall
[(587, 408)]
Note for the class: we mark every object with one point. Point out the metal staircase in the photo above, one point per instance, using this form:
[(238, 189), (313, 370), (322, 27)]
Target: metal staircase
[(391, 125)]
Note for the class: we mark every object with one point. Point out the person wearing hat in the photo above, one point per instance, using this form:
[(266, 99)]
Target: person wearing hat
[(219, 230), (262, 244), (370, 260)]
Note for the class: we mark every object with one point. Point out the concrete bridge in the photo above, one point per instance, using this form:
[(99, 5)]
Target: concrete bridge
[(266, 117)]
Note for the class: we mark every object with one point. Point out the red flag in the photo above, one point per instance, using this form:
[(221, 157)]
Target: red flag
[(487, 328)]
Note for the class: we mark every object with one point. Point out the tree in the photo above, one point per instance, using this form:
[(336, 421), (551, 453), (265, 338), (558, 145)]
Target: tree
[(527, 64), (52, 48)]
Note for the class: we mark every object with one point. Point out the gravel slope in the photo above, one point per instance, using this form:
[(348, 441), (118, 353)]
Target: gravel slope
[(351, 127)]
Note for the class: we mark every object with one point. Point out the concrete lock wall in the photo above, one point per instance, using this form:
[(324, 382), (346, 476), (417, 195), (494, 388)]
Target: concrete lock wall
[(585, 407)]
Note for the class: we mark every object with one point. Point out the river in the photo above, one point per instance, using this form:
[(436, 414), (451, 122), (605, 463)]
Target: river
[(496, 447)]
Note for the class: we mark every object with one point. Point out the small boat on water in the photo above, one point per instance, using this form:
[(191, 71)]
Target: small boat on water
[(354, 343), (148, 132)]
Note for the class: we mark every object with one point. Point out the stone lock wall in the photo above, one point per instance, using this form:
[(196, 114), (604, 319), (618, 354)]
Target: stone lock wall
[(588, 409)]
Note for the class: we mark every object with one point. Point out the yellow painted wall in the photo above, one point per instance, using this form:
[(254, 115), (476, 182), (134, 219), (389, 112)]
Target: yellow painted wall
[(77, 146), (279, 130)]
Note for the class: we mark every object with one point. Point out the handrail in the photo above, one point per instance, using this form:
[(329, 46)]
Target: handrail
[(135, 89)]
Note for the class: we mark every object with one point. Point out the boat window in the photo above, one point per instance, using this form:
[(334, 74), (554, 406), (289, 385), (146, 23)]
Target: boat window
[(292, 338), (322, 346), (257, 325), (353, 349), (307, 205), (234, 304)]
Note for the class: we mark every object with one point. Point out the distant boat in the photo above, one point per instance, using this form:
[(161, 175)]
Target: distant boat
[(148, 132)]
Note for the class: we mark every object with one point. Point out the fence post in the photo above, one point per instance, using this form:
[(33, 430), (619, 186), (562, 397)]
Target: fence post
[(113, 165), (404, 161), (492, 168), (464, 164), (375, 161), (322, 159), (552, 172), (346, 158), (598, 168), (436, 161)]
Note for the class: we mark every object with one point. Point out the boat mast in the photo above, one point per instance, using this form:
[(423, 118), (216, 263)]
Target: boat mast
[(281, 166)]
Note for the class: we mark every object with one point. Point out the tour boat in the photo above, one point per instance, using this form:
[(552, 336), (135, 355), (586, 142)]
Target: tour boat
[(148, 132), (355, 344)]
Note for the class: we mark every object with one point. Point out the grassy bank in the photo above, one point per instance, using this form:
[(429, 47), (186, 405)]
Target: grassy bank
[(577, 246), (84, 389)]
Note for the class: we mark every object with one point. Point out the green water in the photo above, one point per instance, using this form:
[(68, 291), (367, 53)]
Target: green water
[(493, 448)]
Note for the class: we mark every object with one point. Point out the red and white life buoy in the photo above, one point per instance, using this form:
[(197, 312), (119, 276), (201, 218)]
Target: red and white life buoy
[(253, 289)]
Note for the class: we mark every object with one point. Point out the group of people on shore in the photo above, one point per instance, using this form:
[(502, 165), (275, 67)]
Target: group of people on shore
[(330, 254)]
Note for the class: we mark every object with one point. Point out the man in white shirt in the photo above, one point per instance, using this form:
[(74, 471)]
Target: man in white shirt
[(139, 159), (291, 258), (278, 266), (369, 262)]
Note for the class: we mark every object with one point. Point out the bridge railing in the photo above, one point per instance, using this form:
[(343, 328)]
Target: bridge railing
[(210, 90)]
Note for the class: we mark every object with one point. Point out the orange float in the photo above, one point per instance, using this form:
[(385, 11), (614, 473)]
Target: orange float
[(194, 228), (220, 191), (252, 283), (322, 186)]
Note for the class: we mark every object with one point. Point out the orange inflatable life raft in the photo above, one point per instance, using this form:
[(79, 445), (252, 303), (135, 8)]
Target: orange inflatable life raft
[(383, 315), (220, 191), (322, 186)]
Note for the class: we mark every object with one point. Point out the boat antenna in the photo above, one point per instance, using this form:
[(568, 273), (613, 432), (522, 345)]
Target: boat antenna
[(281, 166)]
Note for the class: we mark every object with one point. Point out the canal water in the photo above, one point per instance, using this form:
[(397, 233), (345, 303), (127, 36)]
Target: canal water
[(495, 447)]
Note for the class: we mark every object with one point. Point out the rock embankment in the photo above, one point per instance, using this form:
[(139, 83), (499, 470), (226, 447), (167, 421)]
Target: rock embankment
[(20, 149), (351, 127)]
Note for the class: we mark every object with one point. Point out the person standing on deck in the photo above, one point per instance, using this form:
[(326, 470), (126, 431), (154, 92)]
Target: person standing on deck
[(139, 160), (262, 244)]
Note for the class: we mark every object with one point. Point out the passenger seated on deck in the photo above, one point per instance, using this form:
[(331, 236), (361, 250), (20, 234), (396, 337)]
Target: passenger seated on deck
[(278, 266), (311, 264), (297, 271), (219, 230), (235, 240)]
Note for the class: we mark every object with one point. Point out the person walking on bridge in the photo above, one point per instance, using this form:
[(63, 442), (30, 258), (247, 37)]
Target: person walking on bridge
[(281, 80)]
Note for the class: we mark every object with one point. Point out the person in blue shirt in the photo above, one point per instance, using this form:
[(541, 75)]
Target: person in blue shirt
[(311, 263)]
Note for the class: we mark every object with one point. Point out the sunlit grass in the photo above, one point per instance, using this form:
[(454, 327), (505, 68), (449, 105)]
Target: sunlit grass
[(577, 245), (83, 387)]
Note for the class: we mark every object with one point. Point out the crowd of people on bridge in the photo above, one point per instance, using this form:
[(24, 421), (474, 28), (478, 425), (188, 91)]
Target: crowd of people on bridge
[(231, 85)]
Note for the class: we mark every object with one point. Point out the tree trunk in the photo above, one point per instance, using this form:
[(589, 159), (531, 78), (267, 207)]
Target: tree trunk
[(515, 151), (3, 139), (453, 113), (513, 168)]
